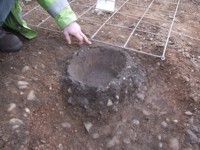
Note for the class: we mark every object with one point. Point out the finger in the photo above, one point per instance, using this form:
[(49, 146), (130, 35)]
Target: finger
[(79, 37), (67, 36), (85, 38)]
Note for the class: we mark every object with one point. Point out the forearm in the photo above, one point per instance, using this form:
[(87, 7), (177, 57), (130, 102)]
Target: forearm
[(60, 10)]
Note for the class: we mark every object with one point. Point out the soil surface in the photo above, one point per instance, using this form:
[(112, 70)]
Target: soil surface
[(37, 114)]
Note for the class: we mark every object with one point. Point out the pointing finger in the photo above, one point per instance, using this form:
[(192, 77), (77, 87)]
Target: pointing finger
[(85, 38), (67, 36)]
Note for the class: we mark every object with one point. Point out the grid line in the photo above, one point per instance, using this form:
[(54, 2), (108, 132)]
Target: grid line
[(139, 19)]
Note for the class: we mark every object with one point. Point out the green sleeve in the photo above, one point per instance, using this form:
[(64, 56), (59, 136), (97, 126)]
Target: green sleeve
[(60, 10)]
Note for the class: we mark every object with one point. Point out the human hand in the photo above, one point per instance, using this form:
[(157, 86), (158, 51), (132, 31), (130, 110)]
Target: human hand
[(75, 30)]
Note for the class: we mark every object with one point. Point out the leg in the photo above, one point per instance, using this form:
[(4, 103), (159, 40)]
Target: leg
[(5, 8), (8, 41)]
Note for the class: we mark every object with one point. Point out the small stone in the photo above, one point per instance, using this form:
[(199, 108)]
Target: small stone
[(128, 67), (115, 109), (21, 87), (175, 121), (27, 110), (25, 68), (99, 12), (50, 88), (186, 78), (31, 96), (109, 103), (117, 97), (172, 41), (15, 127), (22, 84), (189, 113), (159, 137), (69, 90), (66, 125), (164, 124), (140, 96), (15, 121), (192, 137), (160, 144), (136, 122), (167, 119), (158, 63), (95, 135), (113, 142), (43, 141), (146, 113), (88, 126), (70, 100), (174, 144), (25, 115), (11, 107), (60, 147)]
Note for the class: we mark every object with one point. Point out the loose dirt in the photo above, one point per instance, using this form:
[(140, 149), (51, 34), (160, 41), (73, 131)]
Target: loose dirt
[(37, 114)]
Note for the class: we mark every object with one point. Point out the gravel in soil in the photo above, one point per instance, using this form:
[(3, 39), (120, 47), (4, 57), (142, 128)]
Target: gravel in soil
[(36, 114)]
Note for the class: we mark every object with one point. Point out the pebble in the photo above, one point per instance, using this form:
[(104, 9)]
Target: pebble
[(167, 119), (15, 127), (164, 124), (43, 141), (193, 138), (146, 113), (172, 41), (25, 115), (109, 103), (27, 110), (99, 13), (22, 84), (11, 107), (66, 125), (15, 121), (140, 96), (95, 135), (70, 100), (175, 121), (25, 68), (117, 97), (160, 144), (186, 78), (69, 90), (159, 137), (174, 144), (60, 147), (31, 96), (113, 142), (158, 63), (189, 113), (136, 122), (88, 126)]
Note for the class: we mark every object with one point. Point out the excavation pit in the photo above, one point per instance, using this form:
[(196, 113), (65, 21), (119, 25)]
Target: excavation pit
[(100, 78), (97, 68)]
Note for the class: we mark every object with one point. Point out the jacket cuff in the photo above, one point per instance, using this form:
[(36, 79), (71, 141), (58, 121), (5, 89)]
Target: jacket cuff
[(65, 17)]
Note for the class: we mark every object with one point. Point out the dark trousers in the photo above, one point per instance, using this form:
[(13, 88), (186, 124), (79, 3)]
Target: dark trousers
[(5, 8)]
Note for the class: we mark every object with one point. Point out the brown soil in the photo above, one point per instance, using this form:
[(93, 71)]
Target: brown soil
[(163, 115)]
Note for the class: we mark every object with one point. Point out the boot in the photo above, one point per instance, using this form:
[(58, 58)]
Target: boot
[(9, 42)]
